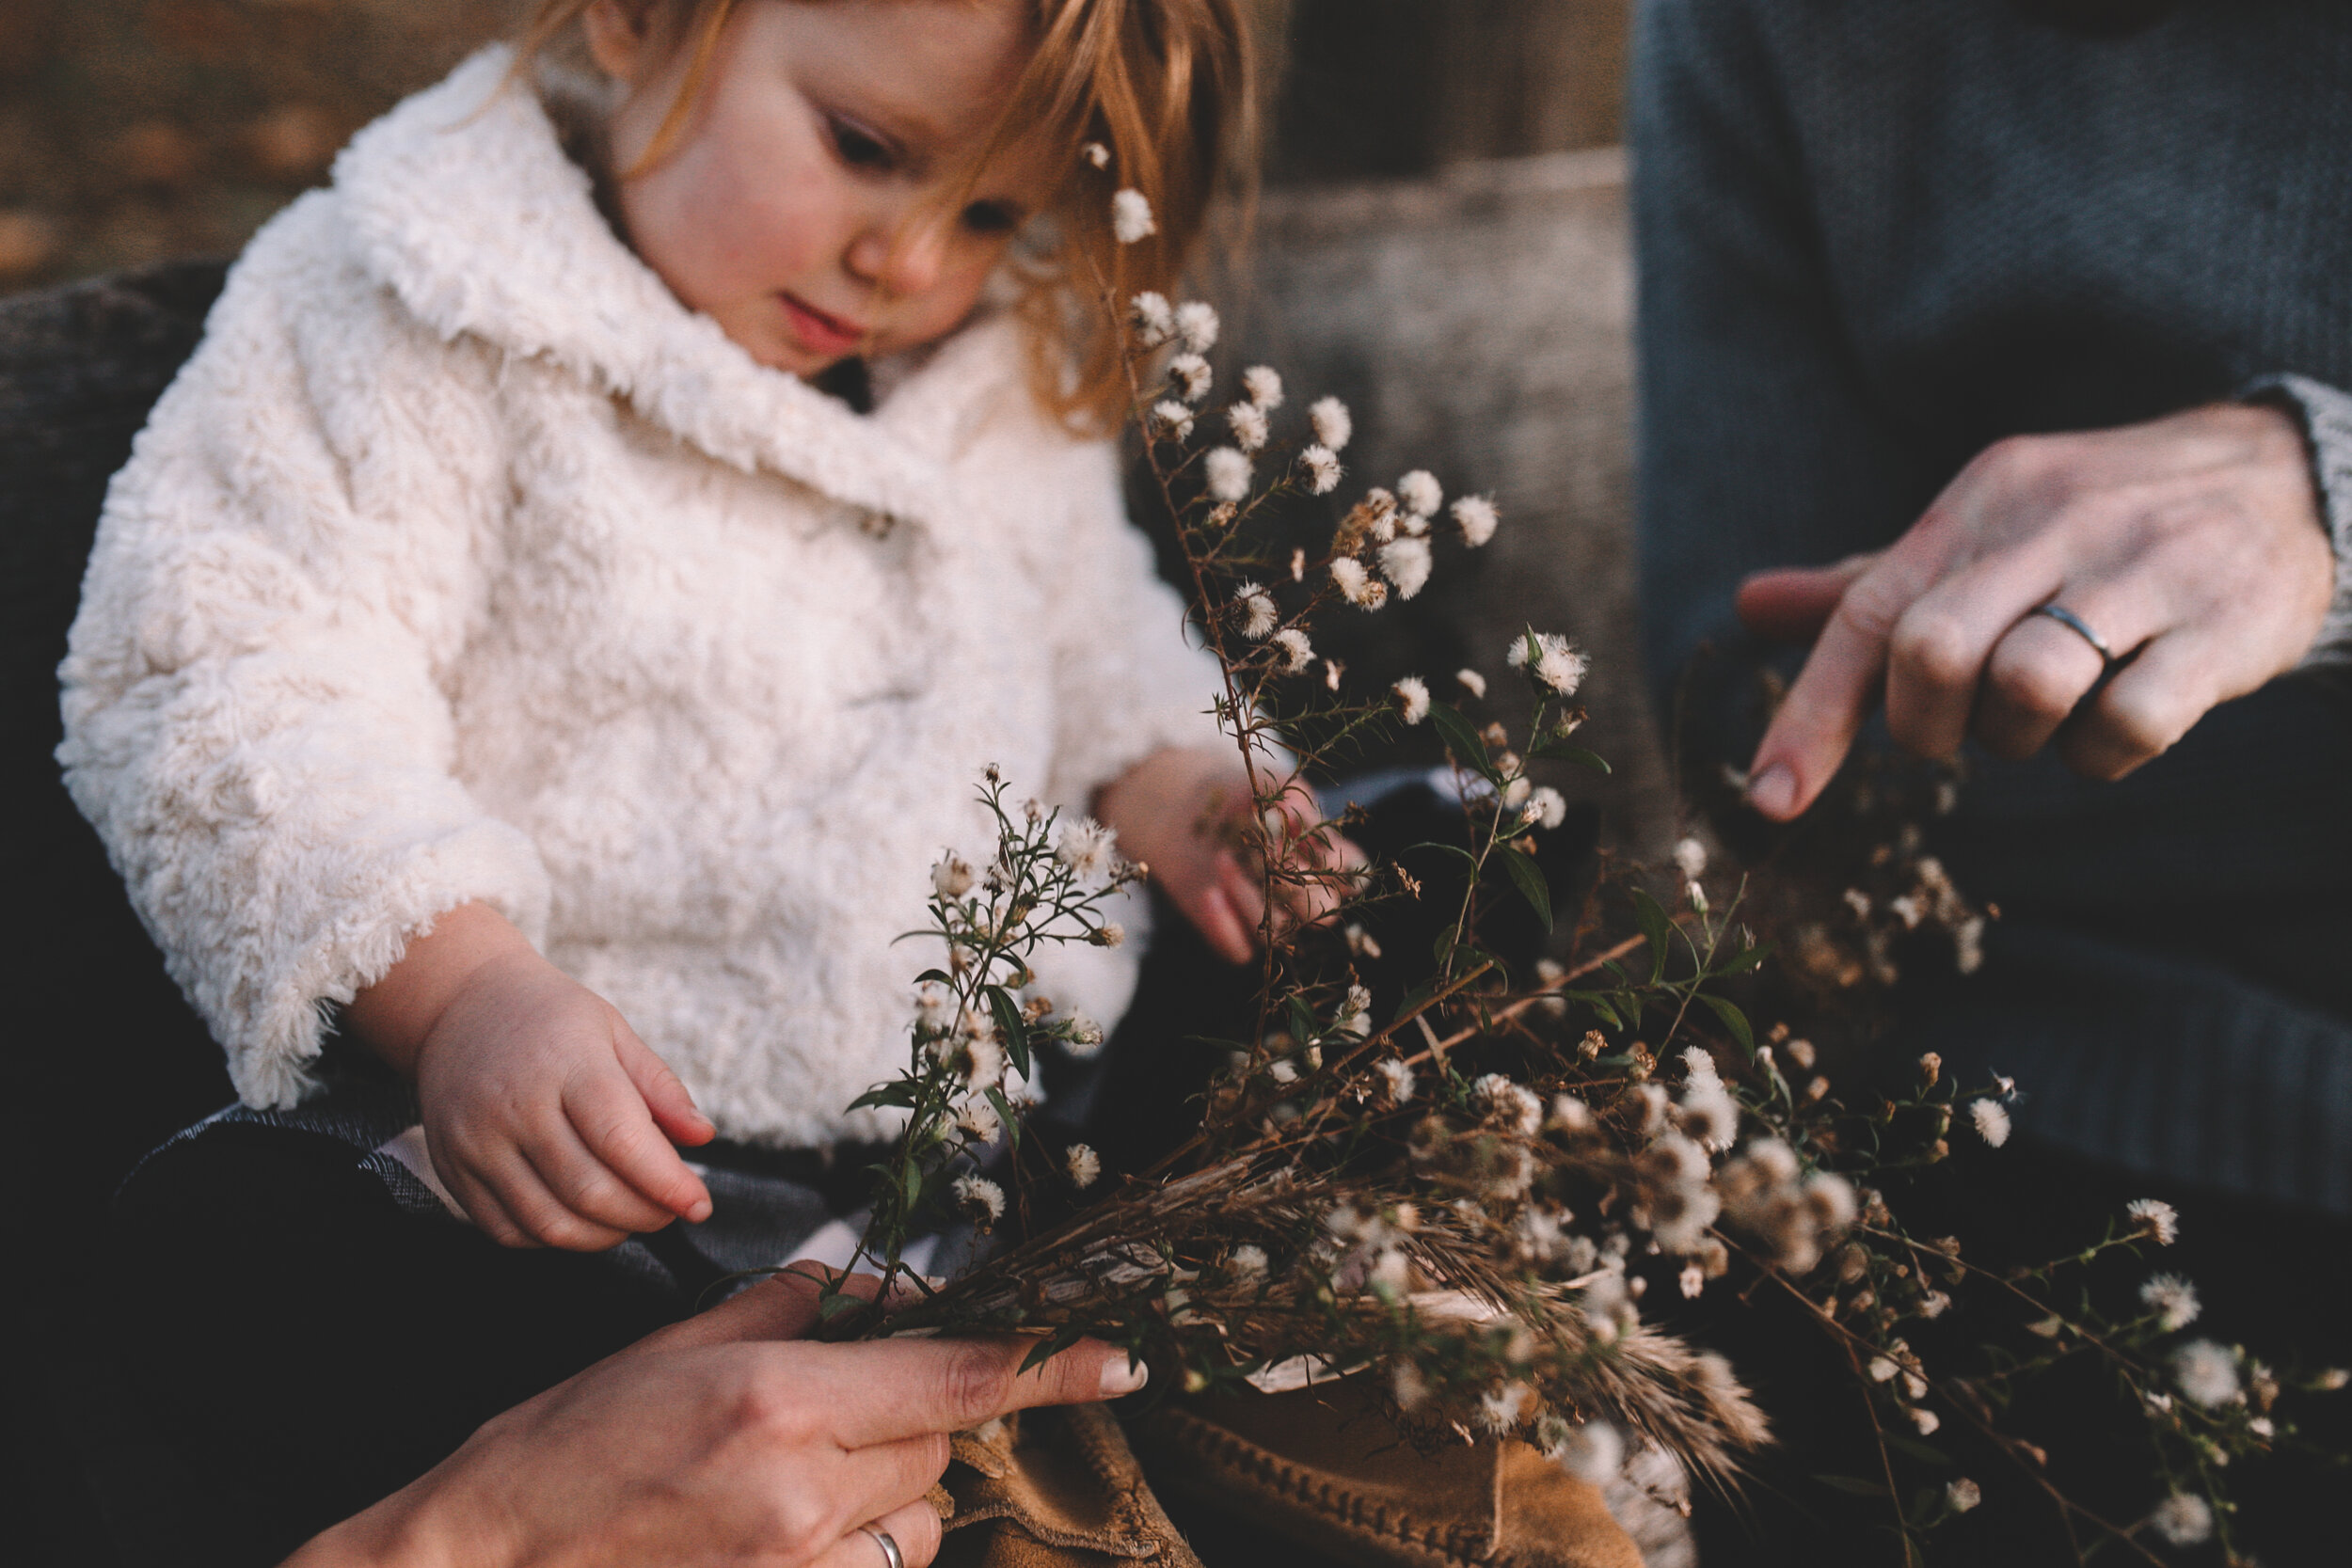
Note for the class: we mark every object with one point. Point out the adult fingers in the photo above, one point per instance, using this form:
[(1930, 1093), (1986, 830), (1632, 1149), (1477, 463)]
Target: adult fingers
[(1824, 710), (1791, 604), (914, 1529), (877, 1480), (613, 1119), (782, 1307), (882, 1391), (672, 1107), (2151, 702), (2043, 669), (1941, 645)]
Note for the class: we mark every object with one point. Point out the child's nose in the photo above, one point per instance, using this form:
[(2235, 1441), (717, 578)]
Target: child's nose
[(904, 259)]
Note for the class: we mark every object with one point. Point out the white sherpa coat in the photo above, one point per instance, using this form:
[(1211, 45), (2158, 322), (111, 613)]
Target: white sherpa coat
[(463, 563)]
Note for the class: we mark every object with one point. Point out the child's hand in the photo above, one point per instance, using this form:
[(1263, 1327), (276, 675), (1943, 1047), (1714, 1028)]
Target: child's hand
[(547, 1118), (1177, 811)]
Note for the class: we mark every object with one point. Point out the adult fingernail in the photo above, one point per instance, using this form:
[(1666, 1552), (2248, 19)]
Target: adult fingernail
[(1122, 1375), (1773, 791)]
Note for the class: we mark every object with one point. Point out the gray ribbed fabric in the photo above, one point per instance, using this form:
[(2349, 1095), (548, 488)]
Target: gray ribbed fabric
[(1876, 236)]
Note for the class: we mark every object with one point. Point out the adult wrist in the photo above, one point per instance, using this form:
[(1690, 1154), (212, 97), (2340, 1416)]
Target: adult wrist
[(2324, 414), (411, 1528)]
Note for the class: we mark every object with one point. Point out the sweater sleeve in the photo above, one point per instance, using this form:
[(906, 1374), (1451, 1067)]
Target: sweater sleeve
[(1130, 673), (2325, 413), (255, 714), (1759, 439)]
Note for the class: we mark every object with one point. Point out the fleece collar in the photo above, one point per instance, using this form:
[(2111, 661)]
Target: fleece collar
[(464, 204)]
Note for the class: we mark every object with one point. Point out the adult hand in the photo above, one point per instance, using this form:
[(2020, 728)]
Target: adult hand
[(713, 1443), (1185, 810), (2192, 545)]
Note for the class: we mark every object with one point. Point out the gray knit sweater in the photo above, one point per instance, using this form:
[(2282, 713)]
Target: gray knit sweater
[(1876, 236)]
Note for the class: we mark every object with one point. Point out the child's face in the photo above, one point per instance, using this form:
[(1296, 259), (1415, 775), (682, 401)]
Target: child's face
[(809, 204)]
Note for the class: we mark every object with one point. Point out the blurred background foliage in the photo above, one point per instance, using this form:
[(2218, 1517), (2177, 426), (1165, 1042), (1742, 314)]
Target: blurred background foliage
[(135, 129)]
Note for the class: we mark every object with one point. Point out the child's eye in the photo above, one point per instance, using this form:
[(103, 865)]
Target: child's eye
[(992, 217), (860, 148)]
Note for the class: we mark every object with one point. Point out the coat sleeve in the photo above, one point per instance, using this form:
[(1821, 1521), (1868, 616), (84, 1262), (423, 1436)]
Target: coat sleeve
[(256, 718), (1131, 674)]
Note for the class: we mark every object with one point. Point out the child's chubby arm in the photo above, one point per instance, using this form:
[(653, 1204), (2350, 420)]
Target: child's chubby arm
[(550, 1121), (1178, 810)]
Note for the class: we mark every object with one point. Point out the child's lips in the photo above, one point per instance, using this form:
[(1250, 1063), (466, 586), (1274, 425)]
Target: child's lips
[(821, 331)]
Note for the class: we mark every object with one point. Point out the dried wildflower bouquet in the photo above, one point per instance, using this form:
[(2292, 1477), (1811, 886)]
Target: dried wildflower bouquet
[(1461, 1194)]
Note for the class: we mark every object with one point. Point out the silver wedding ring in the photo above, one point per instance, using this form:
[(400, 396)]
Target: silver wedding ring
[(2081, 628), (891, 1556)]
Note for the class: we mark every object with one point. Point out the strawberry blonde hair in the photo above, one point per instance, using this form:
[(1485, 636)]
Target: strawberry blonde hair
[(1165, 85)]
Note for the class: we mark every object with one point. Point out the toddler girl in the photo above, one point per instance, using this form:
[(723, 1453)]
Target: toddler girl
[(563, 610)]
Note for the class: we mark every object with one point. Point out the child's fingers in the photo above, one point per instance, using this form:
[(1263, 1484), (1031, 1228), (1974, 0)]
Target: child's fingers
[(673, 1110), (1220, 921), (583, 1184), (543, 1217), (614, 1121), (481, 1207)]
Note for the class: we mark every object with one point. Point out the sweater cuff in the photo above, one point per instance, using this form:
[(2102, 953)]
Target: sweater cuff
[(2326, 415)]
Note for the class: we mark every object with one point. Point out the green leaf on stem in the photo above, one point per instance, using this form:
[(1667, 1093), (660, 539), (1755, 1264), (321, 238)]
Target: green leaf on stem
[(899, 1093), (1658, 925), (1004, 1113), (1529, 879), (1016, 1034), (1462, 738), (1734, 1020)]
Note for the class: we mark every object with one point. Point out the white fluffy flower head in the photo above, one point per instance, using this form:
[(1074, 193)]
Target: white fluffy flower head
[(2207, 1374), (1396, 1079), (1411, 698), (1153, 315), (1229, 473), (1356, 585), (1472, 682), (1172, 418), (1323, 470), (1096, 153), (1545, 808), (1249, 423), (1553, 662), (1189, 375), (1297, 651), (1333, 425), (2182, 1520), (1082, 1166), (1262, 386), (1991, 1119), (1131, 216), (1195, 320), (979, 1200), (2155, 1219), (1420, 494), (1088, 848), (1691, 859), (1476, 517), (1407, 563), (951, 878), (1253, 609), (2175, 1300)]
